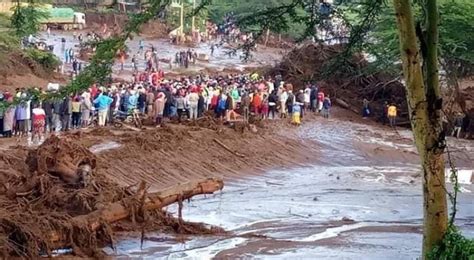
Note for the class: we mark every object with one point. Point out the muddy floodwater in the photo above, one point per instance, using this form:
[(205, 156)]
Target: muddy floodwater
[(361, 198), (219, 61)]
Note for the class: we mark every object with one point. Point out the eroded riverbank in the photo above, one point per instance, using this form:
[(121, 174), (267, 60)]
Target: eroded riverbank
[(361, 196)]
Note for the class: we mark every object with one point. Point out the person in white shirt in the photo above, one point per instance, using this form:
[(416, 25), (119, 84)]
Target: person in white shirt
[(307, 93), (193, 100), (283, 99)]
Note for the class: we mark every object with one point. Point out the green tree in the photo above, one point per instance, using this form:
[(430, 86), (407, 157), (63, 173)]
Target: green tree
[(456, 41), (26, 19), (246, 10), (419, 46), (456, 35)]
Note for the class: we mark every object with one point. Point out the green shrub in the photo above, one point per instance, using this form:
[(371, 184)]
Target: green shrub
[(454, 246), (46, 59)]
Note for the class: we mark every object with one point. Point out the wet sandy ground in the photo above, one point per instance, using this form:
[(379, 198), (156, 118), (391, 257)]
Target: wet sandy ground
[(361, 197), (218, 62)]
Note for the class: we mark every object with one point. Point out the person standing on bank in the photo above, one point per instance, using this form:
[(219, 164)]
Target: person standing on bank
[(392, 114)]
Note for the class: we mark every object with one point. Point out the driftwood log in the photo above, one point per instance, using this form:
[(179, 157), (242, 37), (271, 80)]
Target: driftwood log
[(346, 105), (117, 211)]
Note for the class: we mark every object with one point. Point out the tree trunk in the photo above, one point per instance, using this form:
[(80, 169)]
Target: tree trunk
[(424, 105), (117, 211), (267, 35)]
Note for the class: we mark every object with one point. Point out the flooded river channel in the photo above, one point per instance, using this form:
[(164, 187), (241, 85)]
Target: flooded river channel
[(361, 198)]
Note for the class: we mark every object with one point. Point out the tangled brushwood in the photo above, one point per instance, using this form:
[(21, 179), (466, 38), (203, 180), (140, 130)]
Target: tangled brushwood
[(344, 77), (57, 199)]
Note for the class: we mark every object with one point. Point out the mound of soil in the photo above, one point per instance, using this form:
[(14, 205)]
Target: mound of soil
[(276, 41), (117, 22), (18, 71), (154, 29), (347, 83), (179, 153)]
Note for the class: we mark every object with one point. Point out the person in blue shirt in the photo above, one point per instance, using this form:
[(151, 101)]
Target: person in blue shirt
[(132, 101), (296, 114), (102, 103), (326, 106)]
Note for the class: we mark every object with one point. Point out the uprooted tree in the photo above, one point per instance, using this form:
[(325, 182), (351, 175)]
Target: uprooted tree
[(60, 200)]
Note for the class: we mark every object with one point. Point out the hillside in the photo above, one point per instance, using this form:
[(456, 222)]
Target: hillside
[(20, 68)]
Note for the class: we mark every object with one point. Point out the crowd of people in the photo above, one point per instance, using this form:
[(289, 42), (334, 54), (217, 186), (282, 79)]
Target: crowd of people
[(150, 94), (229, 98), (184, 58), (234, 97)]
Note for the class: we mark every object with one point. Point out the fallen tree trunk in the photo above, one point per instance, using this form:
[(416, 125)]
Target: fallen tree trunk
[(117, 211), (346, 105)]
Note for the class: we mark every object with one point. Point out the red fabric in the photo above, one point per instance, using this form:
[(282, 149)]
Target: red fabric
[(94, 91), (320, 96), (39, 121), (143, 77), (154, 79), (38, 117), (214, 100), (256, 102)]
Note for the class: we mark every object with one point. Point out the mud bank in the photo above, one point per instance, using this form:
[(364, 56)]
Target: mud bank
[(361, 197), (178, 153), (41, 182)]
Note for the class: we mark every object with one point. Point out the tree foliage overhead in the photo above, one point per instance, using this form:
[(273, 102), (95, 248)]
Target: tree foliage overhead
[(26, 19), (455, 41), (457, 36)]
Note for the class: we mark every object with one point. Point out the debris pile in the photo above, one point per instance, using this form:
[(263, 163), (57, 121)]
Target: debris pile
[(347, 85), (58, 199)]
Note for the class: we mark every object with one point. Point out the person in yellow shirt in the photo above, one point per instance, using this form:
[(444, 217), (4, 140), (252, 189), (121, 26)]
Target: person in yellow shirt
[(392, 114)]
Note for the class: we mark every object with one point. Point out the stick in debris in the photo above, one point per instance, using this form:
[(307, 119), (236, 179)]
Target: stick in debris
[(228, 149)]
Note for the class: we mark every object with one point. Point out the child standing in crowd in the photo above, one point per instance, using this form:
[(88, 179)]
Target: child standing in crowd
[(159, 107), (296, 115), (320, 100), (221, 108), (193, 100), (272, 104), (283, 99), (86, 107), (256, 103), (265, 107), (326, 106), (21, 117)]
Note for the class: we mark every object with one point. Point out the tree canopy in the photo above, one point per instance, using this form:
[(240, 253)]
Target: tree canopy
[(26, 19)]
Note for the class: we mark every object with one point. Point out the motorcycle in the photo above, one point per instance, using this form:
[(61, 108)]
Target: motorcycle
[(131, 117)]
